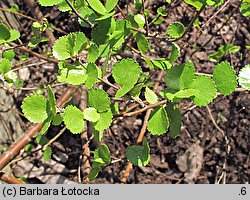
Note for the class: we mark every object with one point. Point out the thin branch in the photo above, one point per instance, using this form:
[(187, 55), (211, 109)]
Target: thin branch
[(78, 15), (10, 179), (8, 155)]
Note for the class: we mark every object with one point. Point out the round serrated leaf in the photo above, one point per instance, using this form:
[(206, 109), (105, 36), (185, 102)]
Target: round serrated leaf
[(91, 114), (4, 66), (244, 77), (5, 33), (150, 96), (104, 121), (69, 45), (224, 78), (73, 119), (180, 76), (126, 73), (139, 155), (34, 108), (158, 123), (49, 2), (205, 90), (176, 30), (99, 99)]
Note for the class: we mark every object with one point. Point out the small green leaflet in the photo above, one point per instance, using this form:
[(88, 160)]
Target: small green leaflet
[(205, 90), (99, 99), (180, 76), (245, 8), (126, 73), (47, 154), (72, 74), (92, 75), (101, 157), (244, 77), (158, 123), (150, 96), (73, 119), (140, 20), (104, 121), (176, 30), (142, 43), (139, 155), (52, 100), (69, 46), (97, 6), (9, 54), (175, 52), (91, 114), (49, 2), (93, 53), (174, 115), (5, 33), (196, 3), (35, 108), (110, 5), (41, 139), (4, 66), (224, 78), (57, 119), (46, 124)]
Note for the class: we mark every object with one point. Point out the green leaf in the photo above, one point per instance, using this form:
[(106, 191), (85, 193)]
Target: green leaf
[(4, 66), (69, 46), (47, 154), (176, 30), (41, 139), (180, 76), (46, 124), (103, 153), (174, 115), (99, 99), (222, 51), (205, 90), (93, 53), (140, 20), (126, 73), (91, 114), (89, 14), (244, 77), (5, 33), (14, 34), (139, 154), (142, 43), (9, 54), (161, 11), (52, 100), (73, 119), (245, 8), (185, 93), (35, 108), (150, 96), (175, 52), (104, 121), (97, 135), (158, 123), (57, 120), (94, 173), (97, 6), (75, 75), (92, 75), (49, 2), (110, 5), (224, 78), (196, 3)]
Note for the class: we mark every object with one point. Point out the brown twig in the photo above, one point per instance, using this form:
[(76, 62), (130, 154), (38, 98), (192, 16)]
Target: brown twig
[(9, 179), (8, 155), (38, 55)]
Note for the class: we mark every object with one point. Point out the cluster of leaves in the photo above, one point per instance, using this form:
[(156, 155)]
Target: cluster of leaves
[(107, 37), (7, 76)]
